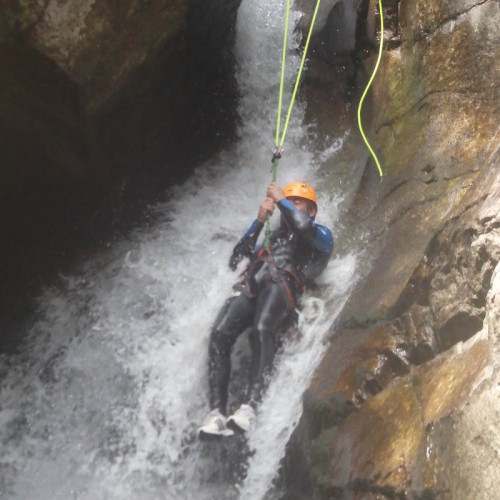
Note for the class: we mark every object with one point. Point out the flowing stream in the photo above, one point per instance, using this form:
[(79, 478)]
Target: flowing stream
[(104, 400)]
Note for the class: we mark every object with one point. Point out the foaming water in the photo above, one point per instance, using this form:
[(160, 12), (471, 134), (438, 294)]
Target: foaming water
[(281, 407), (105, 399)]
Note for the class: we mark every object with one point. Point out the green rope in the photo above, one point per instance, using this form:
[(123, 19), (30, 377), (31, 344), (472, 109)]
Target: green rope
[(279, 144), (282, 79), (368, 86), (267, 235)]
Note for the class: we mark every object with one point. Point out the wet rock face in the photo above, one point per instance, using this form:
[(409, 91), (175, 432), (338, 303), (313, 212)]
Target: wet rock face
[(101, 104), (397, 406), (392, 406), (397, 428), (97, 44)]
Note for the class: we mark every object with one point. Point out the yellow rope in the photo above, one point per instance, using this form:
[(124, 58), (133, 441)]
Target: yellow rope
[(313, 20), (368, 86), (282, 79)]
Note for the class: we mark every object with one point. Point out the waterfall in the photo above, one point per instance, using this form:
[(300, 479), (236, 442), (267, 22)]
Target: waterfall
[(104, 398)]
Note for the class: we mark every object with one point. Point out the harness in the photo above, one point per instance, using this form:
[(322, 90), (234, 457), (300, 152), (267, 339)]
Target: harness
[(277, 274)]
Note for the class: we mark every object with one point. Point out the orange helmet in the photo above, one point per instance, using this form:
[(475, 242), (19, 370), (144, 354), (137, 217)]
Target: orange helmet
[(300, 190)]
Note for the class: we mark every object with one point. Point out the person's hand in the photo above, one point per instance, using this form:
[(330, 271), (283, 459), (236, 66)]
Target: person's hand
[(265, 208), (275, 192)]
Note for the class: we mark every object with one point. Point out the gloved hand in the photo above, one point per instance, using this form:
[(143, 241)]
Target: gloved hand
[(241, 250)]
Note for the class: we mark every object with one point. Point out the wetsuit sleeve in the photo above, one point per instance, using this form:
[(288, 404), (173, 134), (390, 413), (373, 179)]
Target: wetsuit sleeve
[(245, 247), (319, 238)]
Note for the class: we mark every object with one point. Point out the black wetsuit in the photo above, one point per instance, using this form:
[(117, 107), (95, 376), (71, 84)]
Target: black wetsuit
[(266, 297)]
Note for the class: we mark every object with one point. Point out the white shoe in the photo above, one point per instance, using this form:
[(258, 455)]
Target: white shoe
[(214, 427), (242, 420)]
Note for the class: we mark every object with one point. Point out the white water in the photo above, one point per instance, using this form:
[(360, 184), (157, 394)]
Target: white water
[(106, 397)]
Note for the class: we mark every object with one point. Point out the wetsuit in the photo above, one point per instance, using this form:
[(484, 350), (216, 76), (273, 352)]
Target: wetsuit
[(266, 297)]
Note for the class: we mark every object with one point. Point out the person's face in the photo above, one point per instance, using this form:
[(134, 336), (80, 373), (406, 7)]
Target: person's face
[(302, 205)]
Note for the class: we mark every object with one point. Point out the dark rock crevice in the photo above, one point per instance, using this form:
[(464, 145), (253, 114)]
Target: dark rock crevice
[(73, 181)]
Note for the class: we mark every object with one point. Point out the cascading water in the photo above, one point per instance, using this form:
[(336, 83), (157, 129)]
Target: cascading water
[(105, 398)]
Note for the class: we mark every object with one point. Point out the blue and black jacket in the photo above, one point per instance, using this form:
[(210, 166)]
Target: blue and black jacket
[(299, 247)]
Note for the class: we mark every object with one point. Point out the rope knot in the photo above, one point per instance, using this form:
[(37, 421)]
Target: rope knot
[(277, 154)]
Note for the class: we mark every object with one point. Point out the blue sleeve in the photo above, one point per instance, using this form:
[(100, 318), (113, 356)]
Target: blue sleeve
[(246, 245), (253, 231), (320, 237), (323, 240)]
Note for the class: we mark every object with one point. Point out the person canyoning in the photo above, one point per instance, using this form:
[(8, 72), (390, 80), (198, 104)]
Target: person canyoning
[(265, 298)]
